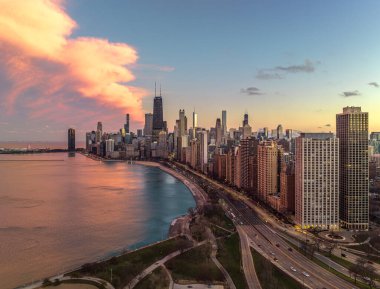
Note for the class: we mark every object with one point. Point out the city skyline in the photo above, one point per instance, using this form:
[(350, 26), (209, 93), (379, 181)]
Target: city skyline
[(220, 56)]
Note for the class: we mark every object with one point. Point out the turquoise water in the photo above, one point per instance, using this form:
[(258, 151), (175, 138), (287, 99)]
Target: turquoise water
[(58, 212)]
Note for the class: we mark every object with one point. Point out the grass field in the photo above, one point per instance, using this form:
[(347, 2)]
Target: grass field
[(127, 266), (270, 276), (158, 279), (230, 256), (195, 265)]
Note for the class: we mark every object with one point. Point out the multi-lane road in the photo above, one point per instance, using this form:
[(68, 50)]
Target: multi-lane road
[(266, 239)]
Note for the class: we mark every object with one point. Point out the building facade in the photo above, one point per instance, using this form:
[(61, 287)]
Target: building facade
[(352, 131), (317, 181), (71, 140)]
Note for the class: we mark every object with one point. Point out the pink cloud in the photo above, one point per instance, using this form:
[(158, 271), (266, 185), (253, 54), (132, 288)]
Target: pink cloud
[(38, 53)]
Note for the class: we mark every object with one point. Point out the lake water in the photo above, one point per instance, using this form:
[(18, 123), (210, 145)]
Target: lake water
[(58, 212)]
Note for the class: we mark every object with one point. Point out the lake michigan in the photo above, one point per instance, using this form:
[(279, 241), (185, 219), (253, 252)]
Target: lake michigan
[(58, 212)]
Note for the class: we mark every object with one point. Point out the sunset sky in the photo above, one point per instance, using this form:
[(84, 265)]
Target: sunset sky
[(71, 63)]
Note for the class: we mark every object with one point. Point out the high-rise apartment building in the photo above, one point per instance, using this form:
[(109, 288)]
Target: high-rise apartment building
[(352, 131), (287, 186), (317, 181), (267, 166), (203, 150), (71, 140)]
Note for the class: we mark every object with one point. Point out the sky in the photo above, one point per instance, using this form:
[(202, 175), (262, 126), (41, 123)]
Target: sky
[(71, 63)]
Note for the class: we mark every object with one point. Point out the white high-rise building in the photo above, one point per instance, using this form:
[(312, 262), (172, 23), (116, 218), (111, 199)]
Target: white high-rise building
[(317, 181)]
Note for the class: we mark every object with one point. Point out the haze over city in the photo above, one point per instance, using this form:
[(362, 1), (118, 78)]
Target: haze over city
[(293, 63)]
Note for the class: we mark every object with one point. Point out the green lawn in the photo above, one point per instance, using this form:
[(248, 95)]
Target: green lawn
[(229, 255), (195, 265), (216, 215), (270, 276), (126, 267), (158, 279)]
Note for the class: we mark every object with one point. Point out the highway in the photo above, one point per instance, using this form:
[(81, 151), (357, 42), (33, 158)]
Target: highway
[(247, 260), (267, 239)]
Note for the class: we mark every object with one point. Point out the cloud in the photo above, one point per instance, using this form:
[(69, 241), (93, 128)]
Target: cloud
[(51, 72), (350, 93), (251, 91), (374, 84), (267, 75), (279, 72), (307, 67)]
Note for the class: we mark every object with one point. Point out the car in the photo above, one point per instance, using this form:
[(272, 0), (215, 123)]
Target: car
[(306, 274), (273, 253), (293, 269), (275, 259), (277, 245), (290, 249), (369, 262), (343, 255)]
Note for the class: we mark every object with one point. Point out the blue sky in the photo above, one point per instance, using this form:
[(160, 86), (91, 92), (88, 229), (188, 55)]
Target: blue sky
[(217, 48), (213, 51)]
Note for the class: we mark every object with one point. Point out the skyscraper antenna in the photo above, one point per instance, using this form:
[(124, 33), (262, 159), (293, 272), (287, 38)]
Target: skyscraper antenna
[(160, 89), (155, 94)]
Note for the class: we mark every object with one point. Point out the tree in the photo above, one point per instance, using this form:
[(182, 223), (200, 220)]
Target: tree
[(330, 246), (370, 273), (355, 271)]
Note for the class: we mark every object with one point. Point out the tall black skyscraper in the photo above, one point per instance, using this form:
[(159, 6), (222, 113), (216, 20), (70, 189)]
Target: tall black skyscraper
[(126, 125), (158, 115), (245, 121), (158, 121), (71, 140)]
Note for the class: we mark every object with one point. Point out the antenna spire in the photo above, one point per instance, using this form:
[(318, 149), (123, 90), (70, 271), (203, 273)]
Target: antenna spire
[(160, 89), (155, 94)]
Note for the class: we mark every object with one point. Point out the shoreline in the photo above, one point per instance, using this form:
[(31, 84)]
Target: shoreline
[(176, 227)]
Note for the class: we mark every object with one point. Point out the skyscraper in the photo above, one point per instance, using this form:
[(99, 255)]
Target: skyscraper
[(148, 127), (245, 120), (218, 129), (317, 181), (182, 128), (99, 132), (202, 135), (280, 132), (158, 115), (195, 124), (71, 140), (126, 125), (267, 159), (224, 121), (352, 131)]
